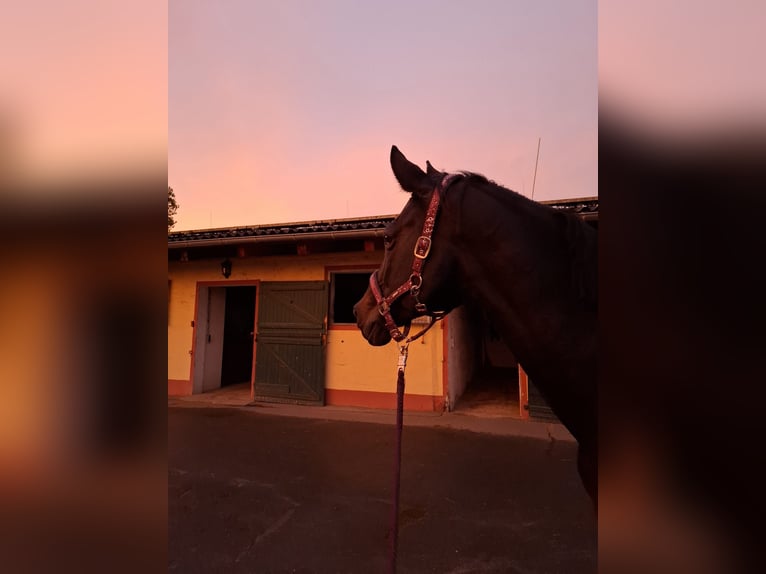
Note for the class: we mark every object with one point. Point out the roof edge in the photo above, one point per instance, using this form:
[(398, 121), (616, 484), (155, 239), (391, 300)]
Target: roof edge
[(333, 228)]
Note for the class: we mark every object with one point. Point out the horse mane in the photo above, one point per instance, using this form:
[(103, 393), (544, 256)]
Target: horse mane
[(583, 257), (577, 236)]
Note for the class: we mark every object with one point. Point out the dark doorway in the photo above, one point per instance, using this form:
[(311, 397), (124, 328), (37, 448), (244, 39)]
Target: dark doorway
[(494, 387), (239, 327), (483, 372)]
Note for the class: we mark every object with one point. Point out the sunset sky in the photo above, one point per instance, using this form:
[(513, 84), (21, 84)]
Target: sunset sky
[(286, 110)]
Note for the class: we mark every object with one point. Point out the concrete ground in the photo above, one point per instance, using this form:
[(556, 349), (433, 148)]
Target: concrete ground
[(480, 416), (280, 488)]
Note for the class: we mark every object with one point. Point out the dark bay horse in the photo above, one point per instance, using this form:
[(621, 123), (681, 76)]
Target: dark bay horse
[(463, 238)]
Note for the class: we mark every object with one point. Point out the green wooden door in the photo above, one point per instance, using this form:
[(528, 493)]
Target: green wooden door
[(290, 342)]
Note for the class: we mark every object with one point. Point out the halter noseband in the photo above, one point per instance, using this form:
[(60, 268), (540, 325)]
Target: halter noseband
[(415, 282)]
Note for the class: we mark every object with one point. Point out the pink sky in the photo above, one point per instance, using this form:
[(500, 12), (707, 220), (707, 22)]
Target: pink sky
[(286, 110)]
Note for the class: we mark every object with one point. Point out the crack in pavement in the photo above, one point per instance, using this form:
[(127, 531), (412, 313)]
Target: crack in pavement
[(281, 521)]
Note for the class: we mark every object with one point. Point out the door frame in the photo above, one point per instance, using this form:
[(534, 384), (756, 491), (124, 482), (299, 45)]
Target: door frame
[(225, 283)]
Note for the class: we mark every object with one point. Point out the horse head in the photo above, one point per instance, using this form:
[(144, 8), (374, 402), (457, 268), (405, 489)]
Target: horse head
[(418, 275)]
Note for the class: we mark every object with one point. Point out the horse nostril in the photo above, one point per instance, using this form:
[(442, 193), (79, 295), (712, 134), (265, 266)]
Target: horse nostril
[(355, 315)]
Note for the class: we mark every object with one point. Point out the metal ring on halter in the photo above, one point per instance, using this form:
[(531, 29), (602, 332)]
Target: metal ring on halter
[(415, 286)]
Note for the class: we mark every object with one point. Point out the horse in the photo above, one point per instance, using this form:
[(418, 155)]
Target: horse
[(462, 238)]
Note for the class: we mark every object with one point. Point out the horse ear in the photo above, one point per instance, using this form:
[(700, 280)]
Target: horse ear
[(409, 176), (430, 170)]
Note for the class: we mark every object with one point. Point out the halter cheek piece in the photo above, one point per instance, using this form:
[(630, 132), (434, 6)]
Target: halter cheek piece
[(415, 282)]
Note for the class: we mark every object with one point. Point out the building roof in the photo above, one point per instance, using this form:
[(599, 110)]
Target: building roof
[(328, 229)]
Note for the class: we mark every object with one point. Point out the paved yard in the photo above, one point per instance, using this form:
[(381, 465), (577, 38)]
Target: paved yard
[(257, 493)]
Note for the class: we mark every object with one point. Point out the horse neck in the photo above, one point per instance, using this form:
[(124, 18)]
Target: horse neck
[(515, 260)]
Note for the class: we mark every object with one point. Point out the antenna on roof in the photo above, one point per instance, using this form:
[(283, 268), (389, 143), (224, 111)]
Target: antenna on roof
[(534, 179)]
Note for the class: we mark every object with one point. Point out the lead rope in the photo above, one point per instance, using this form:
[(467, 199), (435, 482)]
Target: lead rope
[(402, 363), (400, 366)]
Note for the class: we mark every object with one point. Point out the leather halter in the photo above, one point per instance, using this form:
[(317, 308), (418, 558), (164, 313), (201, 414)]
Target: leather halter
[(415, 281)]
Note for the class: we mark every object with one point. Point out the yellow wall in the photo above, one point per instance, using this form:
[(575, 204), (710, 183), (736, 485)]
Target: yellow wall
[(351, 363)]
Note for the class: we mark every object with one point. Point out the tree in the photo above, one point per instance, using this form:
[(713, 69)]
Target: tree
[(172, 208)]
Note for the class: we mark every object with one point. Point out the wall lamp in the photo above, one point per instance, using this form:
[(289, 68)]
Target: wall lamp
[(226, 267)]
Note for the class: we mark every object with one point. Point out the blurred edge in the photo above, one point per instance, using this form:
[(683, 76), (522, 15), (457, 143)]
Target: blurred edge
[(83, 166), (682, 193), (682, 317), (82, 362)]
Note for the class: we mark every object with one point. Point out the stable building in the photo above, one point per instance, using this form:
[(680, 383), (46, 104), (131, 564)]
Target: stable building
[(271, 306)]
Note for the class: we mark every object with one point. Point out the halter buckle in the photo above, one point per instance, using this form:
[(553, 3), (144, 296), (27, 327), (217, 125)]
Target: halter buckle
[(383, 308), (418, 251)]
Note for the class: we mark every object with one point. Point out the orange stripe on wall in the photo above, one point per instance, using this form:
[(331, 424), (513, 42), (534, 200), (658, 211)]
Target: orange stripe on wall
[(373, 400), (523, 394), (179, 388)]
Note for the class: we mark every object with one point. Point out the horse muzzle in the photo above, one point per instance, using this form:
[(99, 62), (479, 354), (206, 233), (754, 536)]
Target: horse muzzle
[(372, 327), (370, 322), (376, 333)]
